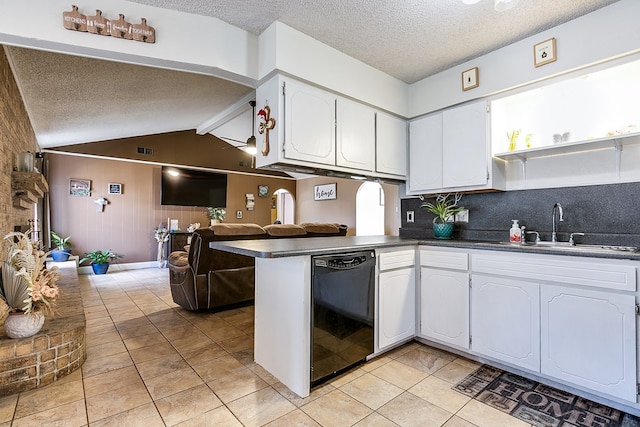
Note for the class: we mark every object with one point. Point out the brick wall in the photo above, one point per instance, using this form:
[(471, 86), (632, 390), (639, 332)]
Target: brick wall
[(54, 352), (16, 135)]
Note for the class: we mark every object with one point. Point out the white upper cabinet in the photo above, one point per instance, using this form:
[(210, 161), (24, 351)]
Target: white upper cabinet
[(449, 151), (309, 124), (425, 154), (391, 144), (317, 129), (356, 135), (464, 146)]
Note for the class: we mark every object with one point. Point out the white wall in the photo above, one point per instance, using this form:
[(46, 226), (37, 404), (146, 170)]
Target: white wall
[(209, 46), (599, 36), (183, 41), (289, 51)]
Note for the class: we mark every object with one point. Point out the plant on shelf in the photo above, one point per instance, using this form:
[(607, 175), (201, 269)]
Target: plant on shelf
[(28, 288), (62, 247), (445, 210), (216, 215), (100, 260)]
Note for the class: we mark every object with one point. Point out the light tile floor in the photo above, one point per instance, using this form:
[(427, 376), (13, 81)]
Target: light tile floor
[(151, 363)]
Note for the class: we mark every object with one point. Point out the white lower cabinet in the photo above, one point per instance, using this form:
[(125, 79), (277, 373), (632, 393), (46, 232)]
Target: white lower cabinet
[(588, 338), (396, 297), (444, 306), (505, 320)]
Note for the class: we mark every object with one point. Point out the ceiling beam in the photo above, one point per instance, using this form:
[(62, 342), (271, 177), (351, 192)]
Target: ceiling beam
[(227, 114)]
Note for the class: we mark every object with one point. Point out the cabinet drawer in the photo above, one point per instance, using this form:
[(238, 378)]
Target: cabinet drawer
[(560, 269), (444, 259), (396, 259)]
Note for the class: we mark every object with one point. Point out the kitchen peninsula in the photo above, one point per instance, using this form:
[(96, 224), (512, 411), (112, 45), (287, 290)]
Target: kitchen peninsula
[(552, 295), (282, 342)]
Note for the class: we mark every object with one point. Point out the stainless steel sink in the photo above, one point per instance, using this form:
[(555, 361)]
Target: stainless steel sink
[(565, 246)]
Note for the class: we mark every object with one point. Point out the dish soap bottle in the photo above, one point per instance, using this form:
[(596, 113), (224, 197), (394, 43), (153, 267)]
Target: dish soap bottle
[(515, 234)]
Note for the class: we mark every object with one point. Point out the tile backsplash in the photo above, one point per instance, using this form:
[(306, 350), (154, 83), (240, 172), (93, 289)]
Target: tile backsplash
[(607, 214)]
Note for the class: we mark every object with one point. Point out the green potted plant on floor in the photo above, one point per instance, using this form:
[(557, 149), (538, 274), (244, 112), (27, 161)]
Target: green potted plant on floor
[(100, 260), (216, 215), (445, 210), (62, 247)]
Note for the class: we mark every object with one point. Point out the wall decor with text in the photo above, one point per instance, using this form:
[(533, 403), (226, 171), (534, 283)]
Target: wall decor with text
[(544, 52), (118, 28), (325, 192)]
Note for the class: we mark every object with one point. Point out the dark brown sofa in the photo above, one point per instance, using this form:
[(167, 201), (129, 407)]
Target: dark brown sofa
[(204, 279)]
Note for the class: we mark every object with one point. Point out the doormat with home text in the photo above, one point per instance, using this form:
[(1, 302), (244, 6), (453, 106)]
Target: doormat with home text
[(538, 404)]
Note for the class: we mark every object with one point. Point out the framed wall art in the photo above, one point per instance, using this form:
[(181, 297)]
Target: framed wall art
[(79, 187), (115, 188), (544, 52), (325, 192), (470, 79)]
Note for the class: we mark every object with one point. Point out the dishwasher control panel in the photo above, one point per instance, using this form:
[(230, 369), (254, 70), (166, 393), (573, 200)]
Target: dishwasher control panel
[(343, 262)]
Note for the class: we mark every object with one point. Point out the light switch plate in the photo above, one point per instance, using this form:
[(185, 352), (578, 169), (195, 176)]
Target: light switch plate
[(410, 216), (463, 216)]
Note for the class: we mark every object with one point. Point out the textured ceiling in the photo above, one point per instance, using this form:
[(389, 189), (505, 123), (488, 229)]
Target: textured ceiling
[(72, 99), (408, 39)]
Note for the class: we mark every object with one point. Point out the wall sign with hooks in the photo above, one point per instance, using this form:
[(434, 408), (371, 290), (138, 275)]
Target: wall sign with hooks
[(97, 24)]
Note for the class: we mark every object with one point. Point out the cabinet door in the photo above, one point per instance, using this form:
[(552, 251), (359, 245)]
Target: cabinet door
[(464, 146), (444, 306), (425, 153), (396, 306), (391, 144), (356, 135), (505, 319), (588, 338), (309, 124)]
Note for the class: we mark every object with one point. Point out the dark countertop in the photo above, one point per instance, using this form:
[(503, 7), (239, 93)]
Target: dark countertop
[(277, 248), (593, 251)]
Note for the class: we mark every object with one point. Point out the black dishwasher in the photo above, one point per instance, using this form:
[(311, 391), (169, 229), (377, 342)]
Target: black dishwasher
[(342, 301)]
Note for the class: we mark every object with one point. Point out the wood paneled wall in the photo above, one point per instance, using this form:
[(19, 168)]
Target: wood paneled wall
[(127, 222)]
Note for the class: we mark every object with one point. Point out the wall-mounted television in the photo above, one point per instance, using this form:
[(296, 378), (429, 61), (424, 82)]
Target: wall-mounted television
[(190, 187)]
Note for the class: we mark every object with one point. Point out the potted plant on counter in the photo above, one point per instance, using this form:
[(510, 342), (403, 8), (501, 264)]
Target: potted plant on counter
[(62, 247), (100, 260), (445, 210), (216, 214)]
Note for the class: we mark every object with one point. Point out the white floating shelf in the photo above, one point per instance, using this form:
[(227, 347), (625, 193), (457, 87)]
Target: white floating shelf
[(571, 147)]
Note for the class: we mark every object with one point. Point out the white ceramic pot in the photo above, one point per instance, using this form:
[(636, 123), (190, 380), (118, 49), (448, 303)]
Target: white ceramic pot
[(20, 325)]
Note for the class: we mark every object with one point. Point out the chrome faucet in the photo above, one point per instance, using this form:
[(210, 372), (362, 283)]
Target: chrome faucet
[(556, 207)]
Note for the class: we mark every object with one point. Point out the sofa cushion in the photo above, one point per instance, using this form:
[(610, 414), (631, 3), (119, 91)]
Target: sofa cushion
[(285, 230), (323, 229), (179, 258), (238, 231)]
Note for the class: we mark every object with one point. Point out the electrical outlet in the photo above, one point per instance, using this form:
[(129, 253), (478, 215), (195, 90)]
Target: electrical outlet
[(410, 216), (463, 216)]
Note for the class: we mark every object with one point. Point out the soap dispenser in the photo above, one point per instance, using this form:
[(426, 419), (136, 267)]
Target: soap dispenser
[(515, 234)]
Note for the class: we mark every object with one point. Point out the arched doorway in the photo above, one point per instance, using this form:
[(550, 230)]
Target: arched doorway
[(370, 209), (282, 207)]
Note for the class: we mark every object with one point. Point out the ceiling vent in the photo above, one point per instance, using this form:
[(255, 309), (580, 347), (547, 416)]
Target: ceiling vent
[(144, 150)]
